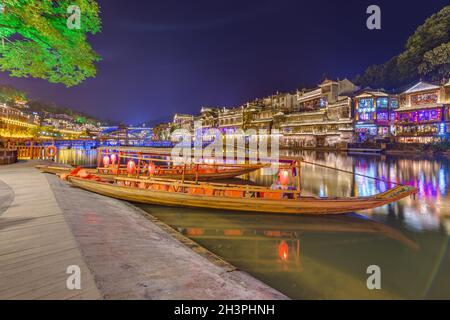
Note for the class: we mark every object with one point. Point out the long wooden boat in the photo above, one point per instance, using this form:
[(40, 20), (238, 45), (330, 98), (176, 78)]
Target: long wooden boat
[(233, 197), (213, 173), (58, 170)]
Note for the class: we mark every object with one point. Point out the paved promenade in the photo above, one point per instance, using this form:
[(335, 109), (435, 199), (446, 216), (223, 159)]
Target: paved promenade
[(47, 225), (36, 244)]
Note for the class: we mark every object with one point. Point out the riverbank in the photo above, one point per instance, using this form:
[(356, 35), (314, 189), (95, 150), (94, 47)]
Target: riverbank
[(122, 252), (392, 150)]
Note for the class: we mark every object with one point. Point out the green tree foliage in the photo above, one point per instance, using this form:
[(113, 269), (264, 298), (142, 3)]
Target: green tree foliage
[(12, 96), (162, 131), (426, 54), (436, 62), (37, 42)]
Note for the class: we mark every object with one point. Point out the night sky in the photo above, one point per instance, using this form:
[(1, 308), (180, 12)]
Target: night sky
[(162, 57)]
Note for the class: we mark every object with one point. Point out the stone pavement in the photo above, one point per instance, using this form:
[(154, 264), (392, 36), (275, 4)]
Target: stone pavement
[(36, 244), (122, 252)]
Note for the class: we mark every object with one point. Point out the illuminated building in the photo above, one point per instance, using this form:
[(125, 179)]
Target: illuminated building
[(374, 115), (332, 115), (322, 116), (231, 120), (423, 116), (16, 124), (208, 122), (283, 102), (184, 122)]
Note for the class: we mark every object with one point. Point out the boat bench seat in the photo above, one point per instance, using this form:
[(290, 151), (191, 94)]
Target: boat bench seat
[(272, 195)]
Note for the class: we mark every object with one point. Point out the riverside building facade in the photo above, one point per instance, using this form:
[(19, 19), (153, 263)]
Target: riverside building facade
[(16, 124), (323, 116), (374, 115), (333, 114), (423, 116)]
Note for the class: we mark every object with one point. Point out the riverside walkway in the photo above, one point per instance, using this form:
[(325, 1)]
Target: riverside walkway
[(46, 225)]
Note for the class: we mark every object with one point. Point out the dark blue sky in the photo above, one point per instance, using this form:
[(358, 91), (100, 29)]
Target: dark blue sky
[(161, 57)]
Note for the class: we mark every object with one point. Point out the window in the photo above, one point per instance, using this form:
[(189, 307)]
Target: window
[(382, 103), (424, 98), (365, 104), (420, 116), (394, 103), (383, 116)]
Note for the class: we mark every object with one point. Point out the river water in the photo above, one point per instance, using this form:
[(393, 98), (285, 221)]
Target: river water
[(308, 257)]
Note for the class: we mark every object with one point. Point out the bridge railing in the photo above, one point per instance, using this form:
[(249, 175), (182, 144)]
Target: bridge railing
[(33, 152)]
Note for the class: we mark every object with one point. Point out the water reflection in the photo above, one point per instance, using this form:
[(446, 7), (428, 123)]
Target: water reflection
[(77, 156), (429, 175), (318, 257), (327, 257)]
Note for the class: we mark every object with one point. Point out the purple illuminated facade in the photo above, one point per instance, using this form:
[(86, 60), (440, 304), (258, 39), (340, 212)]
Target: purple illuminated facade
[(374, 115), (423, 115)]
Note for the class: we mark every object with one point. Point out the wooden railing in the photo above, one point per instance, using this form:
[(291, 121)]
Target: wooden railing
[(32, 152), (8, 156)]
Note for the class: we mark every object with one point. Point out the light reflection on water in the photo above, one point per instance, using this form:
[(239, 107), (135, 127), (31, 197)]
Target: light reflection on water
[(327, 257), (77, 156)]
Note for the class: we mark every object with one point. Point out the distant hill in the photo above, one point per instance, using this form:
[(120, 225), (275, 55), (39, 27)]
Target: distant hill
[(44, 106), (154, 122), (11, 95), (18, 98), (426, 55)]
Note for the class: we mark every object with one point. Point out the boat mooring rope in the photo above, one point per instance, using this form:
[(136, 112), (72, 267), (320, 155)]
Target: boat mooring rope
[(351, 172)]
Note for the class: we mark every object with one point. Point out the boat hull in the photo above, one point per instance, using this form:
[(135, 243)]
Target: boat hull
[(304, 205), (228, 174)]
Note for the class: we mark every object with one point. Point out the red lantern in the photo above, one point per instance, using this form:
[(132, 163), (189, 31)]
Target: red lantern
[(113, 158), (283, 250), (232, 232), (284, 177), (195, 231), (105, 161), (131, 167), (151, 168)]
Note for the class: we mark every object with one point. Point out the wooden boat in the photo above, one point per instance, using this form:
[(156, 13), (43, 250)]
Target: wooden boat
[(222, 172), (233, 197), (113, 162), (58, 170)]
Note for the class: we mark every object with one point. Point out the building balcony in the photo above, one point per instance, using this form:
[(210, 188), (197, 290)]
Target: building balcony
[(18, 122), (417, 134), (239, 124)]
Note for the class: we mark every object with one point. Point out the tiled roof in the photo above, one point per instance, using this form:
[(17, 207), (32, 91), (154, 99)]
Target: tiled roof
[(372, 94), (421, 86), (310, 94)]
